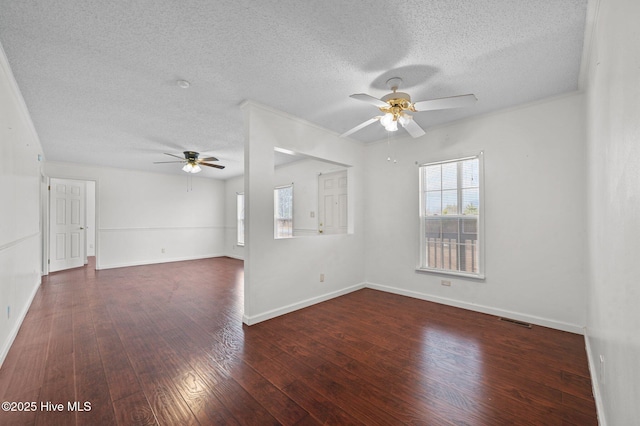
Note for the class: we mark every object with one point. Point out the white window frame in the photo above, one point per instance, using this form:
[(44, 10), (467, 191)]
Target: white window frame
[(240, 219), (422, 264), (276, 228)]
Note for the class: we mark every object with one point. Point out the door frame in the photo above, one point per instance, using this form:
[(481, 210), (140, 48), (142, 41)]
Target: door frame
[(45, 205)]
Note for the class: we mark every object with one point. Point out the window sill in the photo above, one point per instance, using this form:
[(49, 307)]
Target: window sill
[(454, 273)]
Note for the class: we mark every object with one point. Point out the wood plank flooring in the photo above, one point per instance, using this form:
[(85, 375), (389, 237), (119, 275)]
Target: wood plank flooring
[(164, 344)]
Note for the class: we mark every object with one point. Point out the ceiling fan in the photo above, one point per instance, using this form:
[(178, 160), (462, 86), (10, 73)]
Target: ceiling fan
[(191, 161), (396, 107)]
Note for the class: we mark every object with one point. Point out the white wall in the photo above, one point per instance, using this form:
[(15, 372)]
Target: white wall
[(283, 275), (139, 213), (613, 326), (534, 213), (20, 232), (232, 187), (303, 174)]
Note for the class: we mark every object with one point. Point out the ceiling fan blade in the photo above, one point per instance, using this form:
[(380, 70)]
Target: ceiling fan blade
[(177, 156), (162, 162), (446, 103), (208, 159), (369, 99), (413, 128), (359, 126), (217, 166)]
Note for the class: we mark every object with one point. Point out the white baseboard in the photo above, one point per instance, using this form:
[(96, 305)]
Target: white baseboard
[(14, 332), (595, 380), (251, 320), (156, 261), (558, 325), (234, 256)]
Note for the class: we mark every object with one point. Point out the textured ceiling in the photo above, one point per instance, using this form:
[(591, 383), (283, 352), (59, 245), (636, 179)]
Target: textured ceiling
[(99, 77)]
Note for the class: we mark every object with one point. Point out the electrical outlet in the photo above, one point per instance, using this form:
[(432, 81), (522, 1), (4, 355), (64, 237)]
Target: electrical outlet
[(8, 312), (162, 250), (602, 377), (446, 283), (321, 278)]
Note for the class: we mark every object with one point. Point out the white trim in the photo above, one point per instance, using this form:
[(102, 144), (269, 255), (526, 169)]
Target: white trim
[(451, 160), (593, 371), (16, 328), (233, 256), (299, 305), (593, 9), (18, 241), (167, 228), (24, 114), (255, 104), (156, 261), (447, 272), (478, 117), (421, 254), (545, 322)]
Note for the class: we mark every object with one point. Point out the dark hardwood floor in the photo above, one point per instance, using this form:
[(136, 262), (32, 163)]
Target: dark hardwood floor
[(164, 344)]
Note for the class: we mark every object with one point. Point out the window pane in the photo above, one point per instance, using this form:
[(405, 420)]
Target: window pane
[(433, 227), (283, 215), (433, 181), (450, 176), (284, 202), (470, 173), (450, 228), (434, 203), (449, 202), (471, 201), (469, 228), (450, 209)]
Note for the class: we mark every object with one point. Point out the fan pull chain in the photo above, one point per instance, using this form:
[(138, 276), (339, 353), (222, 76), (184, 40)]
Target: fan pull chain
[(390, 153)]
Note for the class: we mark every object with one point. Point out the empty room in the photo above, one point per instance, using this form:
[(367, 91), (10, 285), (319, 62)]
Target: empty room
[(320, 212)]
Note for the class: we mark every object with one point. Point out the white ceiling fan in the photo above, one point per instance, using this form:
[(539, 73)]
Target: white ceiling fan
[(396, 106)]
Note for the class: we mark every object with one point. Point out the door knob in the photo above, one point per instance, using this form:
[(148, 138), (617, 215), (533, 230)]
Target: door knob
[(81, 228)]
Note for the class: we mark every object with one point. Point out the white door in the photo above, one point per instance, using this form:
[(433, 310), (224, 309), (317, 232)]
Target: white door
[(66, 224), (332, 203)]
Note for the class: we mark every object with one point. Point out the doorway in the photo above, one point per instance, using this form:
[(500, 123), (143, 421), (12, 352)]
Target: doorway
[(71, 223)]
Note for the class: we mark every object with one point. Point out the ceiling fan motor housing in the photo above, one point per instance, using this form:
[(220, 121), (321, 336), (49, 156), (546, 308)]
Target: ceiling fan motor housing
[(191, 156), (398, 103)]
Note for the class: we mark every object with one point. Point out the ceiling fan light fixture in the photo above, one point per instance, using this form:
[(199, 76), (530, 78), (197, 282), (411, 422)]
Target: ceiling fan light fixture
[(389, 122), (404, 119), (393, 127), (395, 106), (192, 167), (386, 119), (191, 162)]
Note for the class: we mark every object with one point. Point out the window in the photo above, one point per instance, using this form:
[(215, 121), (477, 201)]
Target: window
[(240, 218), (283, 215), (450, 217)]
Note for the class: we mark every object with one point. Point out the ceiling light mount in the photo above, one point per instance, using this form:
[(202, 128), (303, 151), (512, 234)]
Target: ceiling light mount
[(184, 84), (394, 83)]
